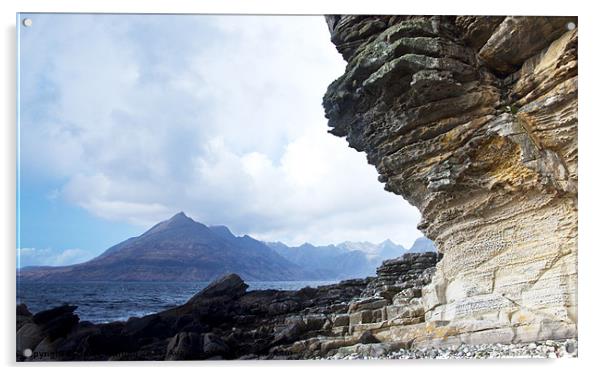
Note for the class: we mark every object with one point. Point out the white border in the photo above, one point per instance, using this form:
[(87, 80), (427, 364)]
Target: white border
[(589, 135)]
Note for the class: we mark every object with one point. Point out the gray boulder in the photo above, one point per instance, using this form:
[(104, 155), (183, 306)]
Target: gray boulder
[(230, 285), (290, 333)]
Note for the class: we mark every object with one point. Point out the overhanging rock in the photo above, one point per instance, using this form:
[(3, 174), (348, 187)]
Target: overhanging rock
[(473, 120)]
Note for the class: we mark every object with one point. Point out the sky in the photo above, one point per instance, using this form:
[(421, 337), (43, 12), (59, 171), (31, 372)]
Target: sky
[(125, 120)]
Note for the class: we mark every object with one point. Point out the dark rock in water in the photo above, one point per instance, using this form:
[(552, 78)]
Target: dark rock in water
[(56, 322), (23, 310), (368, 338), (230, 285), (184, 346), (46, 316)]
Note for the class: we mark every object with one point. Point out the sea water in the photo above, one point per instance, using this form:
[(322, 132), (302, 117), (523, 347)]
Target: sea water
[(100, 302)]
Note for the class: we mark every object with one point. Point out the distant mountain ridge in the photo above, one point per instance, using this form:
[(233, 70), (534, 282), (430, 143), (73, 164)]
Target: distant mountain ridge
[(181, 249), (423, 245), (178, 249), (347, 259)]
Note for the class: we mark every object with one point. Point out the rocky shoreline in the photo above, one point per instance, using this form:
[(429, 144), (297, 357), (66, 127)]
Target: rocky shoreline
[(226, 321), (376, 317)]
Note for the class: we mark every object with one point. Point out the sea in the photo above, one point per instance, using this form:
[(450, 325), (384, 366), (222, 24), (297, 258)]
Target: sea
[(101, 302)]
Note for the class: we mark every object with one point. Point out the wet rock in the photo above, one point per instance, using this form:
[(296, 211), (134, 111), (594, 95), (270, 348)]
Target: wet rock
[(44, 317), (22, 310), (230, 285)]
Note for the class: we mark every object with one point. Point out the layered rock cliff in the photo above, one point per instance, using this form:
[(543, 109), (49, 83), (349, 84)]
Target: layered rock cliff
[(473, 120)]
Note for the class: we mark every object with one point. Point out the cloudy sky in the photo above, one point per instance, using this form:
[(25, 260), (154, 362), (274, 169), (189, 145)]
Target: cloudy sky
[(126, 120)]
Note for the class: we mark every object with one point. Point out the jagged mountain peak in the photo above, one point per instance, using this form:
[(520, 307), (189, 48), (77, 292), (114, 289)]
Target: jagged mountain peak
[(179, 218), (178, 221), (179, 249)]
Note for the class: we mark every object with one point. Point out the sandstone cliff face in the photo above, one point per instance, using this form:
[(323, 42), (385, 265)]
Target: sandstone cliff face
[(474, 121)]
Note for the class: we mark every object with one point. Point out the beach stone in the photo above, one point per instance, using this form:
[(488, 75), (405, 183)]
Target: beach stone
[(290, 333), (46, 316)]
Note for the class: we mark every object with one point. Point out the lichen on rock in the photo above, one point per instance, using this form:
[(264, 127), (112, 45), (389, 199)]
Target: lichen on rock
[(473, 120)]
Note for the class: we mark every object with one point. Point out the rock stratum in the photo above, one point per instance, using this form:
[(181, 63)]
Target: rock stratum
[(473, 120)]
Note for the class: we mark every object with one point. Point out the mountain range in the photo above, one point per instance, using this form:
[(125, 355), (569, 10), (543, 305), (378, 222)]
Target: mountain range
[(181, 249)]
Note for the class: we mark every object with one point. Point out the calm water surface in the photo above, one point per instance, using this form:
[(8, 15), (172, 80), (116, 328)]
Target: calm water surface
[(109, 301)]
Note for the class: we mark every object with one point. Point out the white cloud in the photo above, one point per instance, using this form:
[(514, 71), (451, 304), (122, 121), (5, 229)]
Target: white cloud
[(318, 191), (220, 117), (48, 257)]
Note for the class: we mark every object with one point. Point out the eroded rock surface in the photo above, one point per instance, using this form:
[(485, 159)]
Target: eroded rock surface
[(473, 120), (389, 312)]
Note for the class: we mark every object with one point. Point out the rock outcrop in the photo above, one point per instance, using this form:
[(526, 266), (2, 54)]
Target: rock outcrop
[(387, 313), (473, 120), (225, 321)]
